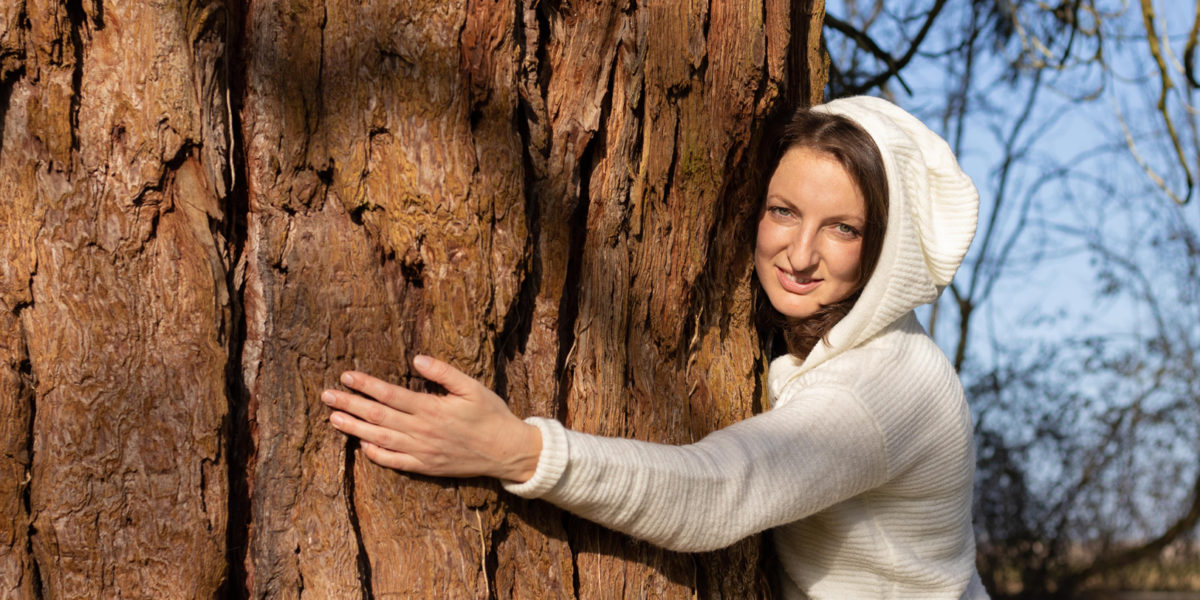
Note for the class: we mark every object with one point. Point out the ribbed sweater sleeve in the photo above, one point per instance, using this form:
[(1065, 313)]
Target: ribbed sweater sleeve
[(777, 467)]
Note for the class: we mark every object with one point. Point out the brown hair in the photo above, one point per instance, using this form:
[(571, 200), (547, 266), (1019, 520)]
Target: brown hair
[(853, 147)]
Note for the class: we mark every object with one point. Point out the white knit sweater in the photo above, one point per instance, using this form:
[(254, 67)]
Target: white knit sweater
[(863, 467)]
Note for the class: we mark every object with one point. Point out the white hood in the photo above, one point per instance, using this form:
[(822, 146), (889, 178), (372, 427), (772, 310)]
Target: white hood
[(932, 212)]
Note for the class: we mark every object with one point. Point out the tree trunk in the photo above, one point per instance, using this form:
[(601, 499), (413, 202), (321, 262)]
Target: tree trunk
[(216, 207)]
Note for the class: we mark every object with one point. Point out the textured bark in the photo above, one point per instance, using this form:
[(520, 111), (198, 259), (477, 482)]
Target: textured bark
[(216, 207), (17, 263), (116, 303)]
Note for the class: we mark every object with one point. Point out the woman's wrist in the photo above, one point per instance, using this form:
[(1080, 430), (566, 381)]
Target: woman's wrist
[(523, 458)]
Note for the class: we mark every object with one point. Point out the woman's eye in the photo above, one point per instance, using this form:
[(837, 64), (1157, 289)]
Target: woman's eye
[(779, 211), (847, 230)]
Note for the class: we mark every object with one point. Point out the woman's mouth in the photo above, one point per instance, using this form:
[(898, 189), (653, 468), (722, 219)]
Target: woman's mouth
[(796, 284)]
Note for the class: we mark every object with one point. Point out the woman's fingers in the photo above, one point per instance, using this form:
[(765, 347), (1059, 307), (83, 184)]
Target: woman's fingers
[(392, 395), (391, 448), (368, 410), (384, 436), (456, 382), (390, 458)]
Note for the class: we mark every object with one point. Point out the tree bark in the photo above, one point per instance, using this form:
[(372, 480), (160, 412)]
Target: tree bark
[(116, 303), (215, 207)]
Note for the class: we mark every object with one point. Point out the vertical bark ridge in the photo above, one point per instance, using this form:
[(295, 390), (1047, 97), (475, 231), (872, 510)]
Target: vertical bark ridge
[(13, 30), (514, 331), (19, 574), (127, 446), (553, 203), (299, 521), (522, 327), (402, 103), (608, 348), (533, 557), (808, 65), (599, 265)]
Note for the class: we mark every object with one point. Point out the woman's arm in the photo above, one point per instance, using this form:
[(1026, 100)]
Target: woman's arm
[(771, 469), (768, 470)]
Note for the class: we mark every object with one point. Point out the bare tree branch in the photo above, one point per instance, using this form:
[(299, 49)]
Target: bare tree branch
[(894, 65), (956, 107), (865, 42), (1189, 50), (968, 301), (1144, 164), (1156, 52)]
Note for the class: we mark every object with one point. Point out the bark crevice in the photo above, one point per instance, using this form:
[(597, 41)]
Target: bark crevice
[(491, 560), (7, 81), (545, 69), (569, 529), (568, 307), (700, 580), (514, 330), (237, 428), (362, 560), (27, 392), (77, 17)]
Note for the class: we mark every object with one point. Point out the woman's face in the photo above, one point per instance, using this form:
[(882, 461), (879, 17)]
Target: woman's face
[(809, 246)]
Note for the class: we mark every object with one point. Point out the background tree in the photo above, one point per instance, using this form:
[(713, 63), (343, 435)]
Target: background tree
[(214, 207)]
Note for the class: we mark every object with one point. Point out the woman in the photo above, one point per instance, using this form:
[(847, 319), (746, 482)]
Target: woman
[(862, 468)]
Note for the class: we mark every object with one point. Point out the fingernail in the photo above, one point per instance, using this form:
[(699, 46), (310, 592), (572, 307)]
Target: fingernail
[(421, 361), (336, 419), (347, 379), (327, 397)]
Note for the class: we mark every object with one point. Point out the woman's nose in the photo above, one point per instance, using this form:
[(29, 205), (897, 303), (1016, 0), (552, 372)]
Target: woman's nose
[(802, 251)]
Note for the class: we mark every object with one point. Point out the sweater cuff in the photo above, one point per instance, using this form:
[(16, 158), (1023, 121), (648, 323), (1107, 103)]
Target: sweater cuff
[(551, 462)]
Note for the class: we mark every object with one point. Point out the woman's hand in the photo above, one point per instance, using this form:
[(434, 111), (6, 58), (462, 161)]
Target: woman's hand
[(466, 433)]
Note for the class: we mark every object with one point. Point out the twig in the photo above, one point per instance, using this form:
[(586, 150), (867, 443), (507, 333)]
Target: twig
[(865, 42), (1165, 88), (1189, 50), (482, 553), (894, 64), (1141, 161)]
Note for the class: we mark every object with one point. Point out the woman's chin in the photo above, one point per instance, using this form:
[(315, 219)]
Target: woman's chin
[(797, 310)]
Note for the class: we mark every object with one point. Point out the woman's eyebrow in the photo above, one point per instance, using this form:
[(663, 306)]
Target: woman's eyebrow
[(783, 199), (848, 217)]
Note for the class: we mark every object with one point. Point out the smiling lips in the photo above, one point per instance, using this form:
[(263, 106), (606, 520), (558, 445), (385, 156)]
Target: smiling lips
[(796, 284)]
